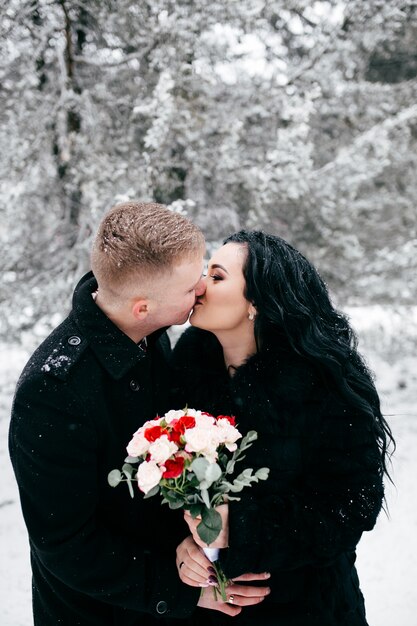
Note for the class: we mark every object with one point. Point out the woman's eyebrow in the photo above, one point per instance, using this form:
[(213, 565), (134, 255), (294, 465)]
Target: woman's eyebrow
[(217, 265)]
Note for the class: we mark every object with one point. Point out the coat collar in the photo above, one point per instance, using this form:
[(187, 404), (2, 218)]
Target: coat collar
[(115, 351)]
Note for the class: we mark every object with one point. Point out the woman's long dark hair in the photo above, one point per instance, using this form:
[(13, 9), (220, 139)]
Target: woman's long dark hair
[(292, 301)]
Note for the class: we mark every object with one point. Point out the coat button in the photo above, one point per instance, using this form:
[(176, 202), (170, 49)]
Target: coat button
[(161, 607), (74, 341), (134, 385)]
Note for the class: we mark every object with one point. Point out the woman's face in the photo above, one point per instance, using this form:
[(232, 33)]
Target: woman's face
[(223, 306)]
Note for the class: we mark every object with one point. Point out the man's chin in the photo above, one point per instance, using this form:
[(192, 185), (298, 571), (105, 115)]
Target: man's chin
[(183, 320)]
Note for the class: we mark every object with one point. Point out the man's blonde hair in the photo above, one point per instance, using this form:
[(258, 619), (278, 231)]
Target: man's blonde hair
[(138, 240)]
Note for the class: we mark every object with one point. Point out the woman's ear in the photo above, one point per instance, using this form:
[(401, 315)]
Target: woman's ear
[(251, 312)]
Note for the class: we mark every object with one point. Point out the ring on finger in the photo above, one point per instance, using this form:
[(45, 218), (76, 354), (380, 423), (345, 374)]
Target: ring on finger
[(231, 599), (180, 565)]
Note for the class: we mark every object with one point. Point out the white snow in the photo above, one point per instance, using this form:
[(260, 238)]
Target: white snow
[(387, 556)]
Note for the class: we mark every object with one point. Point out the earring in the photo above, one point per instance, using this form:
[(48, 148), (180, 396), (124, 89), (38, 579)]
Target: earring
[(251, 316)]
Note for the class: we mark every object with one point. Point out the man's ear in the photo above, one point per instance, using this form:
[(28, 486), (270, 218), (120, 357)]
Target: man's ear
[(140, 310)]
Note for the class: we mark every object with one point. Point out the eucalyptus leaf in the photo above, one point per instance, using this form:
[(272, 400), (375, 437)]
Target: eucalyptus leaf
[(172, 496), (262, 473), (176, 504), (230, 467), (196, 509), (237, 486), (114, 478), (206, 498), (151, 492), (199, 467), (129, 484), (132, 459), (213, 473), (128, 470), (210, 526)]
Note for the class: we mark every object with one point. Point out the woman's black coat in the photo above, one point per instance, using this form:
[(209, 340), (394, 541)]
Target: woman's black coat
[(325, 486)]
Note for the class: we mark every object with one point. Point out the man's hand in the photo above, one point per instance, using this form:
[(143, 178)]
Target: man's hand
[(222, 540)]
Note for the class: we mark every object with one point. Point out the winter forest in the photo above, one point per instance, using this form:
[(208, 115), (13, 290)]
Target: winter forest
[(293, 116)]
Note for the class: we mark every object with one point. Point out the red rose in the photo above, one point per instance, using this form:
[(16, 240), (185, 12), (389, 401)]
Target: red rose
[(175, 437), (154, 432), (174, 467), (230, 418), (181, 425)]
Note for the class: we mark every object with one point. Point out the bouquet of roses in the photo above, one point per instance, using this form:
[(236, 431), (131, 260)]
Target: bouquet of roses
[(189, 457)]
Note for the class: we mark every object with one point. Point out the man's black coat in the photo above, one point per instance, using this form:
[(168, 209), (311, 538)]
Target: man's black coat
[(324, 489), (98, 557)]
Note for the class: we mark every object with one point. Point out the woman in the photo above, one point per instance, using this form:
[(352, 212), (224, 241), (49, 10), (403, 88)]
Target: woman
[(268, 347)]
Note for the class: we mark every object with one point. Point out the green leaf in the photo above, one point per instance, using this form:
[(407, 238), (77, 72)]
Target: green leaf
[(129, 484), (151, 492), (206, 498), (114, 478), (213, 473), (196, 509), (132, 459), (248, 439), (210, 526), (177, 504), (199, 467), (230, 467), (262, 473), (128, 470), (172, 496)]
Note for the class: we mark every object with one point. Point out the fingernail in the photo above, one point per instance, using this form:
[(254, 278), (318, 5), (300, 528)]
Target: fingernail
[(211, 569), (267, 575), (212, 580)]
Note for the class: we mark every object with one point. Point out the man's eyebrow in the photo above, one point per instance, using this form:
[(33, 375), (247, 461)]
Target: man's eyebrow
[(217, 265)]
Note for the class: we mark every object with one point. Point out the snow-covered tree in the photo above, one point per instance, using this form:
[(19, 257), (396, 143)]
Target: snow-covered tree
[(298, 117)]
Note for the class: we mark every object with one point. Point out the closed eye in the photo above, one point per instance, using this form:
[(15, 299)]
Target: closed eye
[(216, 277)]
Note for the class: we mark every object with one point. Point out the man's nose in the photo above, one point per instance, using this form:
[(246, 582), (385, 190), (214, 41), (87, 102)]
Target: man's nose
[(201, 287)]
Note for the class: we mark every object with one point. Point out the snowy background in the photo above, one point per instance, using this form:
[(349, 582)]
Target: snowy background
[(387, 561), (297, 117)]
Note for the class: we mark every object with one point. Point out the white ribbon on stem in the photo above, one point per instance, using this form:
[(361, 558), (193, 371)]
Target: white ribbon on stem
[(212, 553)]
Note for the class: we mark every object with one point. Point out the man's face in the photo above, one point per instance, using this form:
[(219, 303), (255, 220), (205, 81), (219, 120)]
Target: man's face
[(176, 292)]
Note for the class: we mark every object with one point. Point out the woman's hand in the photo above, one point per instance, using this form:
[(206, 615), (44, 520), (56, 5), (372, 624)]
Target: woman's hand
[(222, 540), (195, 569), (238, 596), (193, 566)]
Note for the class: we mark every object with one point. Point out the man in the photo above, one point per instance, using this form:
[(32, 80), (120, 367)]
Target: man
[(98, 557)]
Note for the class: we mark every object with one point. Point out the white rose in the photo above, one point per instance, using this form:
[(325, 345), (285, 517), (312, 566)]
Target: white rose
[(161, 449), (148, 476), (228, 434), (173, 415), (138, 446), (193, 413), (203, 421), (202, 441)]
